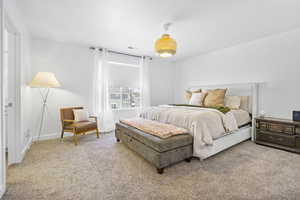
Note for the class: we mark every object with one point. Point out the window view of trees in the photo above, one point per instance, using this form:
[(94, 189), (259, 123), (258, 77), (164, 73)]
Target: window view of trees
[(124, 97), (124, 86)]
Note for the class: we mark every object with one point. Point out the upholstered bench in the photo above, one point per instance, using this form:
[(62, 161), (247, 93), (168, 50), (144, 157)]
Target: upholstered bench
[(160, 152)]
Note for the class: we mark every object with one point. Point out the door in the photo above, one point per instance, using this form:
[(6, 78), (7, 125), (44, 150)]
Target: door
[(2, 135), (9, 93)]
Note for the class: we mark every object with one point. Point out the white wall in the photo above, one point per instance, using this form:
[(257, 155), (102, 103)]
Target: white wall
[(73, 67), (16, 18), (274, 60), (162, 74)]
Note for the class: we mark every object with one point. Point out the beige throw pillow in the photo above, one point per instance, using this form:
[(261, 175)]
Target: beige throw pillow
[(189, 93), (80, 115), (246, 103), (215, 98), (233, 102), (197, 99)]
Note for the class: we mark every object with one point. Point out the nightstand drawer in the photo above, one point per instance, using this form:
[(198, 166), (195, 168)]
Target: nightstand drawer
[(276, 127), (298, 142), (285, 140), (262, 125), (281, 128)]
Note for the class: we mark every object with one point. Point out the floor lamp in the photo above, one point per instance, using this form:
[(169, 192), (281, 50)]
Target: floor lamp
[(44, 80)]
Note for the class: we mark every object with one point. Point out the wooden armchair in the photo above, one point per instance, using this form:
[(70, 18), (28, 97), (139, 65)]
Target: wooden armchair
[(69, 125)]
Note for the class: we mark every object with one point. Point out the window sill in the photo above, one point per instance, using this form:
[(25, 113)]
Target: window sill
[(125, 109)]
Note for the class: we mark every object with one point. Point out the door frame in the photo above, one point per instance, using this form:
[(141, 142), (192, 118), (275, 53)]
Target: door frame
[(14, 152), (2, 136), (5, 20)]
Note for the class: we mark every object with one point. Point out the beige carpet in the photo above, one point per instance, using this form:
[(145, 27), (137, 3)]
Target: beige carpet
[(104, 169)]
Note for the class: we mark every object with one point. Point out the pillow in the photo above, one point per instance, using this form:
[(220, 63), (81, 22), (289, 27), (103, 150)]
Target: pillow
[(232, 102), (246, 103), (189, 93), (80, 115), (197, 98), (215, 98)]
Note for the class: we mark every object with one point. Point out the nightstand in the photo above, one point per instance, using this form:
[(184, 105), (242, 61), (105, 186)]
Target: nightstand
[(278, 133)]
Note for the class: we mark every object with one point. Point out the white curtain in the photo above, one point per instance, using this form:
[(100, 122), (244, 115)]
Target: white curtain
[(101, 106), (145, 82)]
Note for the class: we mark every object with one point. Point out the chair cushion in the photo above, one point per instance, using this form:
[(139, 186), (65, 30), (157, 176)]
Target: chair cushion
[(83, 126)]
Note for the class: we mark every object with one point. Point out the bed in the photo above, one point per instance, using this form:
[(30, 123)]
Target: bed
[(213, 131)]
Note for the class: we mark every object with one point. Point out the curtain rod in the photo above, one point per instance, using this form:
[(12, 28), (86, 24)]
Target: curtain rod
[(117, 52)]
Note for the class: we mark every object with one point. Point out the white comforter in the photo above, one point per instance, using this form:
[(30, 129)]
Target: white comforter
[(205, 124)]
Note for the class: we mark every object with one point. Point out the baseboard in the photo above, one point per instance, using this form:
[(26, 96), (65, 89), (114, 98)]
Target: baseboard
[(50, 136), (2, 190), (25, 149), (45, 137), (53, 136)]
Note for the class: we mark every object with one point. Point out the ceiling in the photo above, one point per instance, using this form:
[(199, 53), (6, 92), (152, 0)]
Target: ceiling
[(199, 25)]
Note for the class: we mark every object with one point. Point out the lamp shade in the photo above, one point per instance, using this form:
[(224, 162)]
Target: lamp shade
[(44, 80), (165, 46)]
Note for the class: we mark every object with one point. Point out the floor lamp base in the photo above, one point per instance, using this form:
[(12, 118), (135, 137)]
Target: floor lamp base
[(43, 112)]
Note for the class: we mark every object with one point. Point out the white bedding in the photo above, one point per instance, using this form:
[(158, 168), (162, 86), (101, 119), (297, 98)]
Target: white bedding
[(205, 124)]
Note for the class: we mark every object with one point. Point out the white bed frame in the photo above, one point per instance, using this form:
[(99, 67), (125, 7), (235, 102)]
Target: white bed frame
[(245, 133)]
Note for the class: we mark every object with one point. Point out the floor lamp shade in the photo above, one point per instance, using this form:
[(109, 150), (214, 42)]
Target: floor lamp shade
[(44, 80)]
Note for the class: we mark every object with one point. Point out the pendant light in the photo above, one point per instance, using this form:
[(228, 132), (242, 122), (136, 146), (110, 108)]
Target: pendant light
[(165, 46)]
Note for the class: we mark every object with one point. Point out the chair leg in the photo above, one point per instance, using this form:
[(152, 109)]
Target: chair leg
[(75, 139), (62, 134), (97, 132)]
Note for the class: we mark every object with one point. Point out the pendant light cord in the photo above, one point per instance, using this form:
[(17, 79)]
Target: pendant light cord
[(167, 26)]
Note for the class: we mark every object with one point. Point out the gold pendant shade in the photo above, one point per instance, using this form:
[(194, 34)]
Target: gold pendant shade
[(165, 46)]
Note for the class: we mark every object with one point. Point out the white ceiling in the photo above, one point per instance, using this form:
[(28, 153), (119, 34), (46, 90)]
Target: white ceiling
[(199, 25)]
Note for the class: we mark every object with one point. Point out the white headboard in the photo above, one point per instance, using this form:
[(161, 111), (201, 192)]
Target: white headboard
[(239, 89), (233, 89)]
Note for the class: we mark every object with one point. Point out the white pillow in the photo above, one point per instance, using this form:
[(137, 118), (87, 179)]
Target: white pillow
[(197, 98), (233, 102), (80, 115)]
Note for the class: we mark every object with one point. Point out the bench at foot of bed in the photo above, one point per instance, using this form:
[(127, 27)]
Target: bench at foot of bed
[(159, 152)]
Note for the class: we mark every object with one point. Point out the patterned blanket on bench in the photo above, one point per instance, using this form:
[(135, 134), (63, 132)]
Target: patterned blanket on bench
[(155, 128)]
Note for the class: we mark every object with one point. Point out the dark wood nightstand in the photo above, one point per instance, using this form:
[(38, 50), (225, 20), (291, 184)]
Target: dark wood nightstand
[(279, 133)]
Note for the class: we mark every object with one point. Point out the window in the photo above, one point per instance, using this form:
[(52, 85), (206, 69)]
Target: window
[(124, 86)]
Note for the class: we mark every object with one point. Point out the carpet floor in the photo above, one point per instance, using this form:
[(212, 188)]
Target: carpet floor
[(104, 169)]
